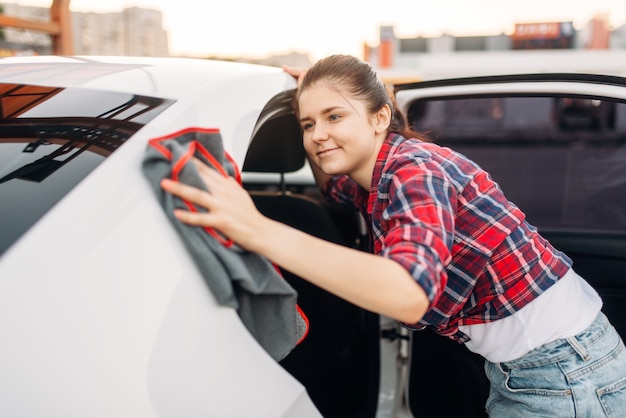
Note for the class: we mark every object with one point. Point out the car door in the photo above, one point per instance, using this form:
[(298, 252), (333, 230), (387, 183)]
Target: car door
[(556, 144)]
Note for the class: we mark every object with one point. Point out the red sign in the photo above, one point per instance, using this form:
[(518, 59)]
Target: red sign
[(547, 30)]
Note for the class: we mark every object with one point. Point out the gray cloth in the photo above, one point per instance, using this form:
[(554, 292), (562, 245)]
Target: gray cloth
[(243, 280)]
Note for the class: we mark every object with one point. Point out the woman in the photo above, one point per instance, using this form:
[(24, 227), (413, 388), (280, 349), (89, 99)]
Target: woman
[(449, 251)]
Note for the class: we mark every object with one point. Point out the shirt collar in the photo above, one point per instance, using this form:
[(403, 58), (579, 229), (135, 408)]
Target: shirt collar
[(370, 197)]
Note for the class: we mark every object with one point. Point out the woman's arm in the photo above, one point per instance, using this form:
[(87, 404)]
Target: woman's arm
[(374, 283)]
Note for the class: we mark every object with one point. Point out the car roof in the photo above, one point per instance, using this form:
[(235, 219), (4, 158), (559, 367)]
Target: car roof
[(161, 77)]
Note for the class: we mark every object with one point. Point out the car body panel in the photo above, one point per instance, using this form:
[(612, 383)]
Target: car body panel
[(104, 312)]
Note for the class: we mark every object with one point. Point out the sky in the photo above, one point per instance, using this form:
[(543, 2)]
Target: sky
[(253, 28)]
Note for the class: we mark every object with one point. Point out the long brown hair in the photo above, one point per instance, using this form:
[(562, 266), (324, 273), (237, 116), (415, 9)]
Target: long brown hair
[(358, 79)]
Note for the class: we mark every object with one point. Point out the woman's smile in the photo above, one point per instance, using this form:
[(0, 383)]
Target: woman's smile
[(325, 152)]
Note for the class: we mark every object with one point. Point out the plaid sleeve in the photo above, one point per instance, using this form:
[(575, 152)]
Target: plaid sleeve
[(419, 222)]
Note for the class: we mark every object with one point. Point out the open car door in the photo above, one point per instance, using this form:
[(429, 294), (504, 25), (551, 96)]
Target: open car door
[(556, 144)]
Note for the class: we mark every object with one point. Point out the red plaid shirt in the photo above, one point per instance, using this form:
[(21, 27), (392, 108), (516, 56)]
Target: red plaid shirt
[(448, 223)]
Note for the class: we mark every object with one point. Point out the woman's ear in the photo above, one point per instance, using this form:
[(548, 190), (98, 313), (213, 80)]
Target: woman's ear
[(382, 119)]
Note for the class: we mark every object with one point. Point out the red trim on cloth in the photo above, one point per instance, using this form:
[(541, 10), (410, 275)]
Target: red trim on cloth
[(306, 321), (186, 131), (178, 166), (155, 143)]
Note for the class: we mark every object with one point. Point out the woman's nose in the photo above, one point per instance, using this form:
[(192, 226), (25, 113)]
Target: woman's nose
[(319, 133)]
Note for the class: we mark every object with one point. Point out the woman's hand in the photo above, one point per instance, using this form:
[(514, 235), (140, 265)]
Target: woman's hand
[(230, 209), (297, 73)]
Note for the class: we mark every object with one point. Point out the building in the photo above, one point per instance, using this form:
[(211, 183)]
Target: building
[(532, 47), (133, 31), (20, 41)]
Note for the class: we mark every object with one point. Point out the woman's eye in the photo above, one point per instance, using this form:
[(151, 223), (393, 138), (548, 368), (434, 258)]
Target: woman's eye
[(307, 126), (333, 118)]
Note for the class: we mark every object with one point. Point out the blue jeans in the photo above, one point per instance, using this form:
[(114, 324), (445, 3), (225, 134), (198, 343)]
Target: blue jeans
[(581, 376)]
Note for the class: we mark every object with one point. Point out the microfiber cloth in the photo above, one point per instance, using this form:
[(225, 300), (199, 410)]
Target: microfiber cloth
[(241, 279)]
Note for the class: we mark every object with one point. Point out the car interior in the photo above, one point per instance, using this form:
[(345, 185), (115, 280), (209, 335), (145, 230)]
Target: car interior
[(337, 362), (542, 162)]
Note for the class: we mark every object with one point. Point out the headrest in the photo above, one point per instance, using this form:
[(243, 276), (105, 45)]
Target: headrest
[(276, 147)]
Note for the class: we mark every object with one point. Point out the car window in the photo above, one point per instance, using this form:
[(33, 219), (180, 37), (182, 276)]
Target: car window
[(562, 160), (52, 138)]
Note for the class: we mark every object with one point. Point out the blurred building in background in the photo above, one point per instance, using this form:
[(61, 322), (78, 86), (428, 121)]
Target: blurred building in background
[(133, 31), (24, 42), (293, 59), (532, 47)]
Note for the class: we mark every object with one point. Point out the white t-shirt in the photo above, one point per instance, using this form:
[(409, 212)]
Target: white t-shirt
[(565, 309)]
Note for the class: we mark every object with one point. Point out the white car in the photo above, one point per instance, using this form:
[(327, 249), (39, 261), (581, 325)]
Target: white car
[(104, 311)]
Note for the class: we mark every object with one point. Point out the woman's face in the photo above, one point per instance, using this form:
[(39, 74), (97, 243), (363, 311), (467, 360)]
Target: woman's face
[(339, 134)]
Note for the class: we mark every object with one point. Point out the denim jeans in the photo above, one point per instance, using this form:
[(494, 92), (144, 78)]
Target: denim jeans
[(580, 376)]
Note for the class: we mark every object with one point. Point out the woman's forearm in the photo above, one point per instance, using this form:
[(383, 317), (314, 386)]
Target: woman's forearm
[(374, 283)]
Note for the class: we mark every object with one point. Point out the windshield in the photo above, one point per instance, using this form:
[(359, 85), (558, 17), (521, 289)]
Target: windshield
[(51, 138)]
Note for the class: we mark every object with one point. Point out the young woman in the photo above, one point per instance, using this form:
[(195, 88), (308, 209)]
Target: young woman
[(449, 251)]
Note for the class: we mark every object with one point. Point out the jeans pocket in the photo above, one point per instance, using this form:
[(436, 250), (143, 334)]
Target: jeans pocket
[(547, 380), (527, 391), (613, 398)]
